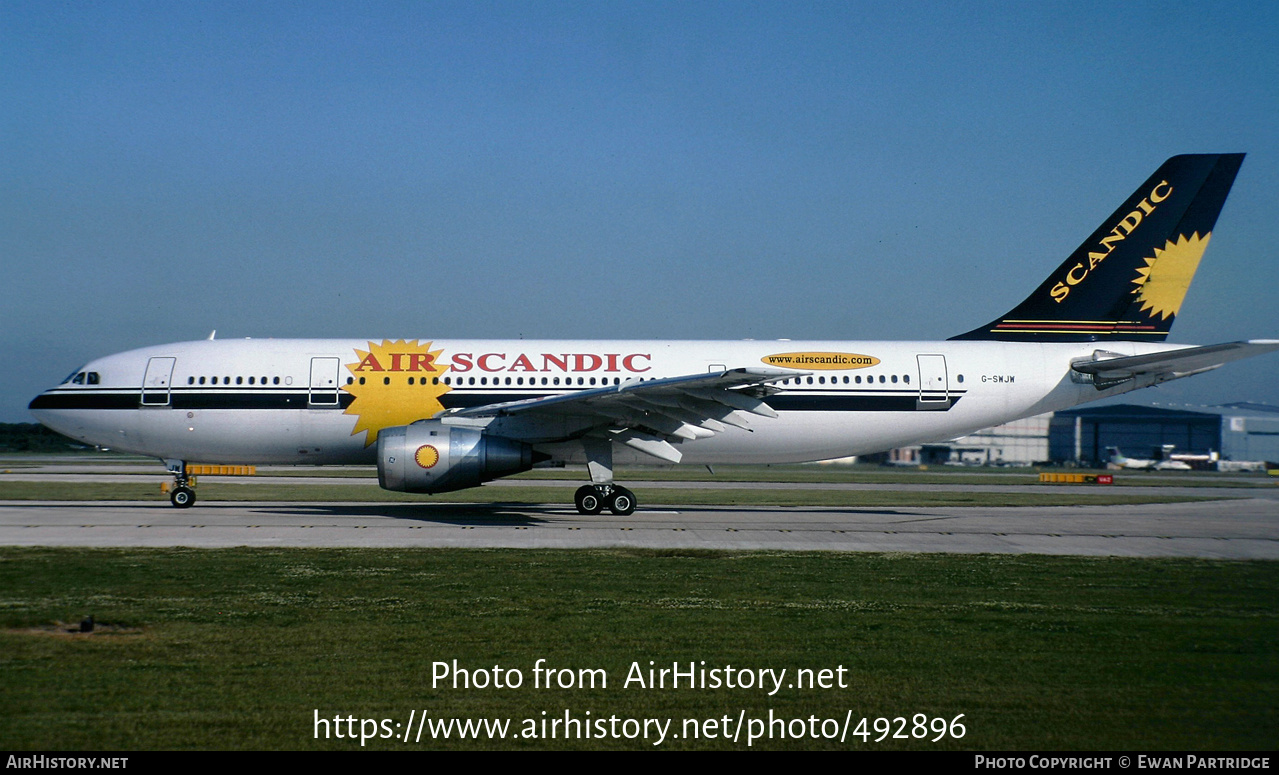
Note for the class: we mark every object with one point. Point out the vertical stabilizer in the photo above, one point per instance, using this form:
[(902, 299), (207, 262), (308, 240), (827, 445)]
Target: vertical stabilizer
[(1128, 279)]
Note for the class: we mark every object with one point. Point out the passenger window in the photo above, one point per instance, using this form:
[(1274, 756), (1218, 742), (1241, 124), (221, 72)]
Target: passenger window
[(894, 379), (239, 380), (190, 380), (906, 378)]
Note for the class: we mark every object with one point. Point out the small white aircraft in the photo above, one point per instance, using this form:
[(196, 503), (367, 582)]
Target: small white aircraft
[(1117, 458), (442, 415)]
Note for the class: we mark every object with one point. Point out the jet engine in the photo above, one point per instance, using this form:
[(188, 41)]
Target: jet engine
[(431, 457)]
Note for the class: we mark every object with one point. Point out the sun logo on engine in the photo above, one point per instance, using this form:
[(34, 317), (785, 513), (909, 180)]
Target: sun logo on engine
[(1163, 282), (394, 383)]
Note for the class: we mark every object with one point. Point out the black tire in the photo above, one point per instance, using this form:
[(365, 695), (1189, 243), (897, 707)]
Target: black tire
[(182, 497), (622, 502), (588, 500)]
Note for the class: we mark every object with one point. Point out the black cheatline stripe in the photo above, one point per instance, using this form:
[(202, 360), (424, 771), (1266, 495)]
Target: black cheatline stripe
[(902, 403), (292, 399), (295, 399)]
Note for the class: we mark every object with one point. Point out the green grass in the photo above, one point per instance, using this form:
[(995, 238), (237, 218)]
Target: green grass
[(211, 490), (238, 648)]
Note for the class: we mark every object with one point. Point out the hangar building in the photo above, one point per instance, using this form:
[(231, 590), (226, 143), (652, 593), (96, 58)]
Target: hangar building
[(1240, 431)]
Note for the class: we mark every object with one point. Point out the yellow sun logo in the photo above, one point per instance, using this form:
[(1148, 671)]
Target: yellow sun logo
[(394, 383), (1163, 282), (427, 456)]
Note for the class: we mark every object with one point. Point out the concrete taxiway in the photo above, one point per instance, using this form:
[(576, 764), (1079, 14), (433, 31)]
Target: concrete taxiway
[(1235, 529), (1246, 527)]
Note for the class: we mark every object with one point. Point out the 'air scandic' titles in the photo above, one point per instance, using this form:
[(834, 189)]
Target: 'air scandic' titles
[(1127, 225), (404, 362), (636, 363)]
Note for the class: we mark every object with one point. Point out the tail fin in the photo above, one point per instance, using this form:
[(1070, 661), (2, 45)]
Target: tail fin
[(1128, 279)]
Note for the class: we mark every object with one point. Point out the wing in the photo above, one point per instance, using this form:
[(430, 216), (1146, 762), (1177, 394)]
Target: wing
[(646, 415), (1171, 364)]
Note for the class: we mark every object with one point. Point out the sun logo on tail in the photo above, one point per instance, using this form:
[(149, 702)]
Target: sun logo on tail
[(1162, 283), (394, 383)]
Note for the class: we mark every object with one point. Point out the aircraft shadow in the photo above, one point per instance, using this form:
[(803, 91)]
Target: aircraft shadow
[(462, 514)]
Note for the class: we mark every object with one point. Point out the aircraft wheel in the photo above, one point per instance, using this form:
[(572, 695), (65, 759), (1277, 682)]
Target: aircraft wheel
[(182, 497), (588, 500), (622, 502)]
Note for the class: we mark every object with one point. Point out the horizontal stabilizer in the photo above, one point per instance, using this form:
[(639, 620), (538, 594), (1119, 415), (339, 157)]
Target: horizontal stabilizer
[(1173, 363)]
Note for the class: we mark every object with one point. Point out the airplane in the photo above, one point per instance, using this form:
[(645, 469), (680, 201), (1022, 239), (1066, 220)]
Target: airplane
[(438, 415), (1117, 458)]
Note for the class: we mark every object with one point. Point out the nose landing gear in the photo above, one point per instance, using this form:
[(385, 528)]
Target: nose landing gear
[(182, 496), (182, 493)]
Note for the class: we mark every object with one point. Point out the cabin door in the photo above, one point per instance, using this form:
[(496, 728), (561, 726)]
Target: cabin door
[(934, 386), (156, 382), (324, 383)]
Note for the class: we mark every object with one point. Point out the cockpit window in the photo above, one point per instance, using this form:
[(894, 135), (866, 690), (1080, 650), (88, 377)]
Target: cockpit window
[(79, 379), (71, 376), (92, 378)]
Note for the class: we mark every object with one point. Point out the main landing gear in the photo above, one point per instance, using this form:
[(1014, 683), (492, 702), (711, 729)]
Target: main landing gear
[(601, 493), (594, 498), (182, 493)]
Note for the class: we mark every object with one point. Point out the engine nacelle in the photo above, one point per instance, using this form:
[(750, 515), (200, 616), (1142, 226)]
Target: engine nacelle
[(431, 457)]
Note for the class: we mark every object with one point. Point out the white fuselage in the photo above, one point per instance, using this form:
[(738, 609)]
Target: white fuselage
[(302, 401)]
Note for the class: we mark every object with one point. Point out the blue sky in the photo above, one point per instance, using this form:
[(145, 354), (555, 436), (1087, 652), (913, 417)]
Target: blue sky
[(609, 169)]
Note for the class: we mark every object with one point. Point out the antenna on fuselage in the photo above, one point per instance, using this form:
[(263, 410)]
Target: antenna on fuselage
[(213, 334)]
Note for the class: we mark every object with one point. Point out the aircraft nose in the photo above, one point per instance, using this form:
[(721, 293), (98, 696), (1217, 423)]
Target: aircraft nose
[(42, 402)]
